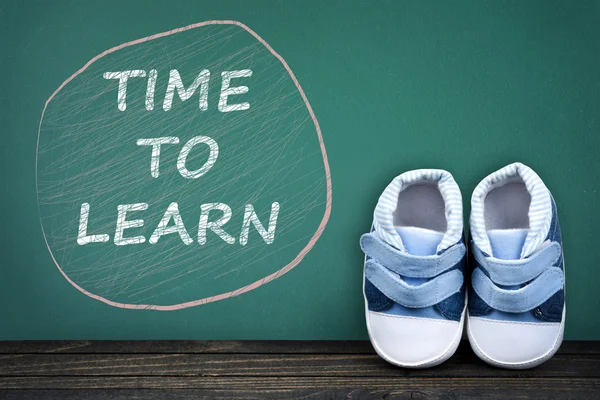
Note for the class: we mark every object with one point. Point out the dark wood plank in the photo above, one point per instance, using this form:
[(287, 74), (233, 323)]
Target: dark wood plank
[(483, 386), (188, 346), (225, 347), (275, 370), (464, 364), (412, 392)]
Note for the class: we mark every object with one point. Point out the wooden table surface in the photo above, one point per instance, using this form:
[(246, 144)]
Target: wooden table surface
[(275, 370)]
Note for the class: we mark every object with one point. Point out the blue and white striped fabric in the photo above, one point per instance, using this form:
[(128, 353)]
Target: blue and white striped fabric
[(540, 209), (384, 219)]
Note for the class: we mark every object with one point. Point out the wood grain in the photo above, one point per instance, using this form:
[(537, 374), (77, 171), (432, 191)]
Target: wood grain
[(237, 369), (225, 346)]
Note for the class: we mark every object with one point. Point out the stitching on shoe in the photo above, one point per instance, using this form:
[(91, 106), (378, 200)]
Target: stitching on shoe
[(409, 317), (520, 323)]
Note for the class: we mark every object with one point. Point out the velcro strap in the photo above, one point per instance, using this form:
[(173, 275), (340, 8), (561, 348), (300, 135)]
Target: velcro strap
[(517, 272), (520, 300), (408, 265), (424, 295)]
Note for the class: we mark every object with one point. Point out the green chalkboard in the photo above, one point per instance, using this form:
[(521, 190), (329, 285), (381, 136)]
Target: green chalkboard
[(198, 169)]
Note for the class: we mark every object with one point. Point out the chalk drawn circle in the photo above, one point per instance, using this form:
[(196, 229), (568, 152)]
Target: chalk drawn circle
[(245, 288)]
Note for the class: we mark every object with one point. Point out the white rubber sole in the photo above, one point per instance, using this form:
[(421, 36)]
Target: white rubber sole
[(522, 365), (449, 352)]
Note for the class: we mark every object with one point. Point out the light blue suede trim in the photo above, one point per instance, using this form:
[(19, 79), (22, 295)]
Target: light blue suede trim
[(424, 295), (498, 315), (517, 272), (426, 312), (520, 300), (408, 265)]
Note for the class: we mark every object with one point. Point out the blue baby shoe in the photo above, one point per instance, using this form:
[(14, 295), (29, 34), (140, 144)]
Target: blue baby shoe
[(517, 293), (414, 270)]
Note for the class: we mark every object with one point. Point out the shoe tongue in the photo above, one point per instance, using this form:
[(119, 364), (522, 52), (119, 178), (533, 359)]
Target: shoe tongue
[(419, 241), (507, 244)]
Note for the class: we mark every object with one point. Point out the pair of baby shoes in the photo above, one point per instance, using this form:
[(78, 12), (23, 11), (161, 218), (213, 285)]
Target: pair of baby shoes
[(422, 285)]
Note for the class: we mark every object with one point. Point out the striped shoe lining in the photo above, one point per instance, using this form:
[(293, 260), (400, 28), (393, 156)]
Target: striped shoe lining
[(540, 209), (383, 215)]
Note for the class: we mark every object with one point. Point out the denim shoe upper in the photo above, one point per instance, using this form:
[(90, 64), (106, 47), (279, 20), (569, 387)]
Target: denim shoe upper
[(415, 254), (516, 253)]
